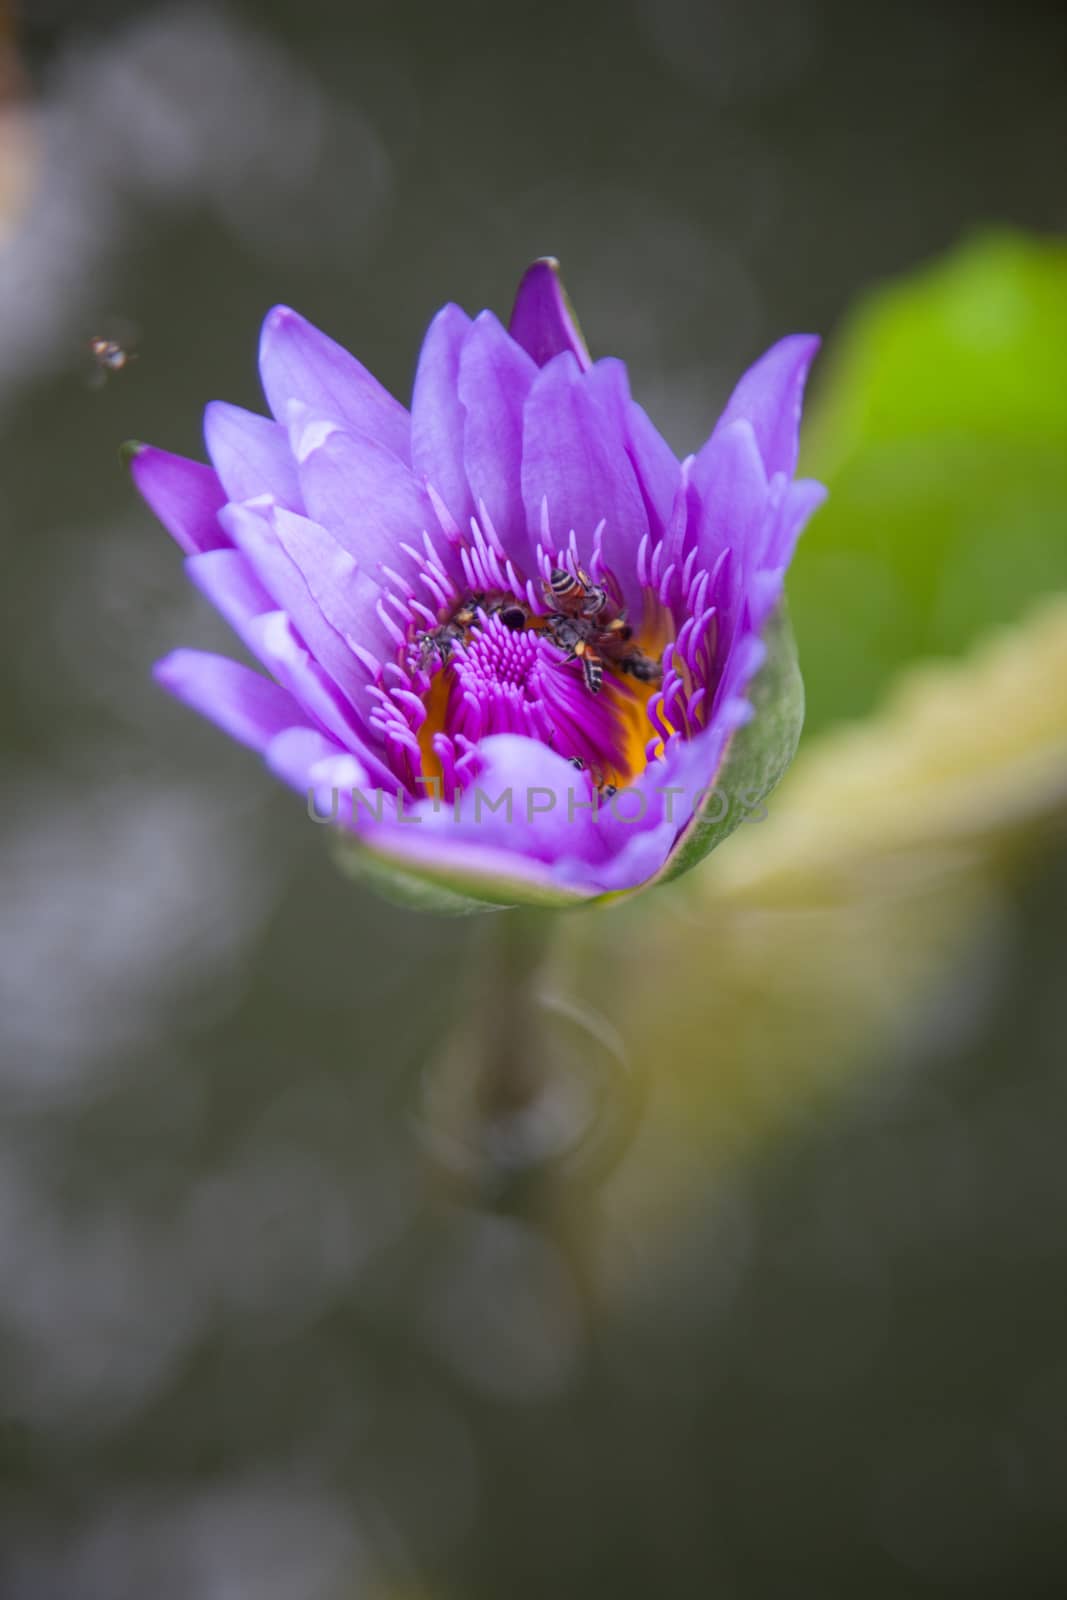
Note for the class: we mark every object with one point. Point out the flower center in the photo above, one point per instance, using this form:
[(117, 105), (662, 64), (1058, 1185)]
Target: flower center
[(496, 668)]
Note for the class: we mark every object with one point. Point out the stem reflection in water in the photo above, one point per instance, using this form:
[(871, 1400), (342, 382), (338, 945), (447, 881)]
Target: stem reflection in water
[(533, 1089)]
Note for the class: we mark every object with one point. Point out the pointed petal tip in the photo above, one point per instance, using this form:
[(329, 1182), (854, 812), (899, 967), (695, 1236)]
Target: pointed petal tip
[(542, 319), (486, 319), (541, 266), (545, 272), (450, 312), (140, 461), (299, 361), (790, 358), (217, 413), (814, 493), (161, 669), (278, 317), (280, 323), (809, 344), (805, 347), (172, 671), (186, 496), (770, 395), (245, 705)]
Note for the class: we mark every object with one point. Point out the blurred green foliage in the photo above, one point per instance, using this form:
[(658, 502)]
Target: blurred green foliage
[(940, 426)]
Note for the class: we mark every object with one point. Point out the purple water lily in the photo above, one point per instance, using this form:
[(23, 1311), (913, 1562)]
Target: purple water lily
[(509, 628)]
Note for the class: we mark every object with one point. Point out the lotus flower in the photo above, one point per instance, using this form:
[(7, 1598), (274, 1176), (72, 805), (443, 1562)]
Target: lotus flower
[(515, 635)]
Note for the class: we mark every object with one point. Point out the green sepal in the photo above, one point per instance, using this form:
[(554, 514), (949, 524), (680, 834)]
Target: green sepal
[(440, 890)]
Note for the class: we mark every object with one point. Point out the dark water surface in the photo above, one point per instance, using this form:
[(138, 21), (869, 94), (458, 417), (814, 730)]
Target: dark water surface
[(247, 1347)]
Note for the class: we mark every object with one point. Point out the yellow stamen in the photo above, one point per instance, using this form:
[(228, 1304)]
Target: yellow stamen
[(629, 698), (436, 703)]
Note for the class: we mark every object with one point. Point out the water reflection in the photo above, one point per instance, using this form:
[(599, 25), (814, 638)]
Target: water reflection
[(121, 899), (186, 107), (249, 1343)]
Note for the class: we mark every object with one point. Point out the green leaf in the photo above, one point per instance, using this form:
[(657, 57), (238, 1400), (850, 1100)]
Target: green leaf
[(806, 951), (940, 427)]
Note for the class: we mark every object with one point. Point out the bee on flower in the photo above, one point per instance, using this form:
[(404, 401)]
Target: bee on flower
[(510, 583)]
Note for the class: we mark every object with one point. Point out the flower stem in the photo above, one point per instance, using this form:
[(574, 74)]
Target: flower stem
[(509, 981), (533, 1095), (483, 1092)]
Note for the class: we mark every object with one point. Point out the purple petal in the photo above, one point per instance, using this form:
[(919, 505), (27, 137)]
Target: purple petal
[(802, 498), (731, 488), (642, 824), (347, 596), (335, 731), (495, 377), (356, 488), (437, 415), (657, 468), (770, 396), (253, 531), (309, 762), (641, 847), (273, 640), (542, 320), (298, 362), (227, 579), (541, 823), (523, 844), (765, 589), (249, 708), (573, 457), (251, 455), (293, 753), (683, 517), (185, 495)]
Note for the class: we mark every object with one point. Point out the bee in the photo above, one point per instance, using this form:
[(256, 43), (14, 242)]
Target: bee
[(109, 351), (597, 645), (440, 642), (443, 640), (109, 354), (565, 632), (592, 666), (646, 669), (605, 790), (575, 636), (512, 613), (514, 617), (565, 592), (575, 596), (589, 626), (618, 631), (613, 640)]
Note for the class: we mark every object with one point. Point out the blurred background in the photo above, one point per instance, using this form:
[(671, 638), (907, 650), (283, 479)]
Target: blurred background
[(809, 1334)]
